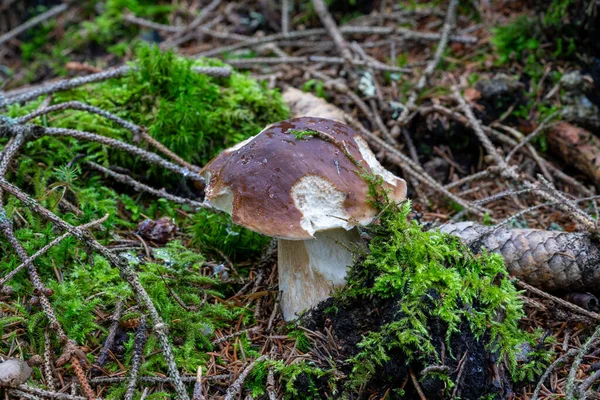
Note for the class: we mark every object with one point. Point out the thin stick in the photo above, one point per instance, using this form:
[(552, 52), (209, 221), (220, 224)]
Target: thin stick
[(198, 389), (542, 164), (147, 156), (236, 387), (158, 380), (560, 302), (431, 65), (531, 136), (65, 84), (332, 29), (68, 84), (236, 334), (467, 179), (475, 125), (112, 331), (136, 359), (551, 367), (311, 60), (271, 388), (347, 30), (7, 230), (570, 385), (49, 394), (140, 187), (54, 11), (47, 367), (415, 382), (47, 247), (585, 385), (285, 17), (135, 129)]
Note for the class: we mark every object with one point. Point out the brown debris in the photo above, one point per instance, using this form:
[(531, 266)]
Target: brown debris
[(577, 147)]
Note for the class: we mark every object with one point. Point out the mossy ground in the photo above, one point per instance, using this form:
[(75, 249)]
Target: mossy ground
[(384, 321), (192, 114)]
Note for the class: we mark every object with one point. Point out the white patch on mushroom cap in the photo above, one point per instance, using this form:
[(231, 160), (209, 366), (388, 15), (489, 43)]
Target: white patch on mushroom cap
[(373, 163), (321, 204), (223, 200)]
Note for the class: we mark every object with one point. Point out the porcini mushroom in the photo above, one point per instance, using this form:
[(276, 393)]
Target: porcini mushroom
[(306, 192)]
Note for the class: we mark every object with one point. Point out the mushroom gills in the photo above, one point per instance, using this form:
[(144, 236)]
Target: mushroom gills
[(310, 269)]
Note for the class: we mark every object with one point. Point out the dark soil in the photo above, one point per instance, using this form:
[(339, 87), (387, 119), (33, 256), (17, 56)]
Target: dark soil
[(479, 375)]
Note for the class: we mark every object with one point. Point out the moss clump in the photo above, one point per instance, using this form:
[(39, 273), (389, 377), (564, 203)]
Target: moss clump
[(194, 115), (299, 380), (419, 297)]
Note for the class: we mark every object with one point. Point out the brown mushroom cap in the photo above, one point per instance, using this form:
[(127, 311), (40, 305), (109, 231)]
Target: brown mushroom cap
[(288, 187)]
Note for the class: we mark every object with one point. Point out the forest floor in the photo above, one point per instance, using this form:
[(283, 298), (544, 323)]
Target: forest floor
[(488, 103)]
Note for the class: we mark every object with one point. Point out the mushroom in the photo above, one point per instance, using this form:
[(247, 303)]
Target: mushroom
[(306, 192)]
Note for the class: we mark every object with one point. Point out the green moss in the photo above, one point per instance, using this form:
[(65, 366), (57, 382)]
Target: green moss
[(302, 134), (431, 275), (196, 116), (511, 41), (299, 380)]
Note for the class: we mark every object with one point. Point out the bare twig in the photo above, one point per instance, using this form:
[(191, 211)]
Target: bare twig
[(481, 135), (136, 359), (358, 30), (560, 360), (140, 187), (49, 394), (47, 247), (585, 385), (63, 85), (531, 136), (158, 380), (311, 60), (236, 334), (234, 390), (271, 388), (112, 331), (285, 17), (54, 11), (198, 389), (415, 382), (431, 65), (570, 384), (560, 302), (146, 156), (24, 95), (47, 367), (332, 29)]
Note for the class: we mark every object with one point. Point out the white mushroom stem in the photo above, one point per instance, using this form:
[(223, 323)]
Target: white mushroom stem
[(310, 269)]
